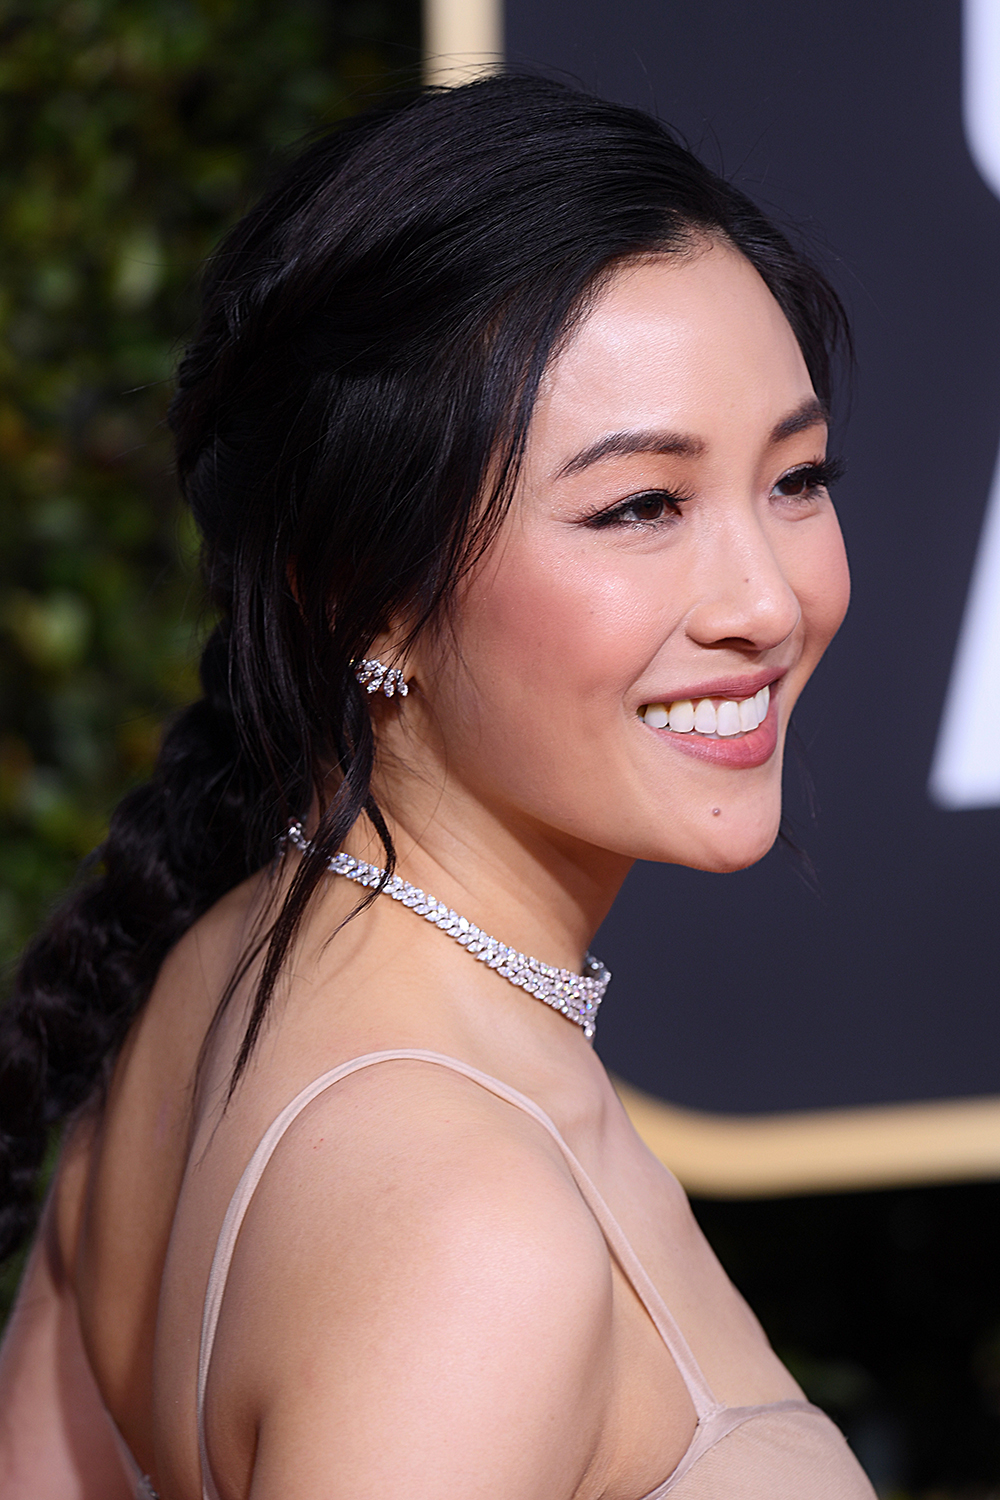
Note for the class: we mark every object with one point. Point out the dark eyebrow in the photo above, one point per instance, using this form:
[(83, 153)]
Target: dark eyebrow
[(812, 413), (621, 444)]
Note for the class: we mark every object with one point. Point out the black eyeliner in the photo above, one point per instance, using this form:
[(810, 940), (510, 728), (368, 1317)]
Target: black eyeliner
[(603, 518)]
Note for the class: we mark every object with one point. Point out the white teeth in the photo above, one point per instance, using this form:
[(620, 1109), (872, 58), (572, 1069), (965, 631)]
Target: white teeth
[(706, 720), (682, 716), (748, 714), (709, 716), (728, 718)]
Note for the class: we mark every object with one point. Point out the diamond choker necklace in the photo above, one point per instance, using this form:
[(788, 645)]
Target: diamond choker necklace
[(575, 996)]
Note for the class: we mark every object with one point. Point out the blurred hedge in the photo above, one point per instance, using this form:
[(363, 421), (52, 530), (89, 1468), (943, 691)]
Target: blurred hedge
[(133, 133)]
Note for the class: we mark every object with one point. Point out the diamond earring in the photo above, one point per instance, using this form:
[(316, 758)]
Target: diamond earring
[(374, 676)]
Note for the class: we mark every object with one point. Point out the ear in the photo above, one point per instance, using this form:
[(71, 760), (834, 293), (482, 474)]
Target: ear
[(388, 665)]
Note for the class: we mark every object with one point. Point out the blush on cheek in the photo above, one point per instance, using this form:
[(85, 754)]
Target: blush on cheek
[(830, 594), (815, 567), (565, 624)]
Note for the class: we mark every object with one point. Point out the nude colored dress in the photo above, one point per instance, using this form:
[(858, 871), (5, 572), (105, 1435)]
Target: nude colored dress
[(786, 1450)]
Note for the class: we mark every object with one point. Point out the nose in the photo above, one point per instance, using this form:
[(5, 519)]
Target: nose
[(745, 600)]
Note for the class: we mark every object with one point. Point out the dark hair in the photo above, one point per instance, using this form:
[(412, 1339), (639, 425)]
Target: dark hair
[(372, 338)]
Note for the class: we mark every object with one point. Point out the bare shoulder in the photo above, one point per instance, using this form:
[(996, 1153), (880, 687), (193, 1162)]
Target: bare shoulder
[(420, 1301)]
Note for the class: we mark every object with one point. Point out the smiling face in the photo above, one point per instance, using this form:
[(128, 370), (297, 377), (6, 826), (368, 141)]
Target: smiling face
[(670, 573)]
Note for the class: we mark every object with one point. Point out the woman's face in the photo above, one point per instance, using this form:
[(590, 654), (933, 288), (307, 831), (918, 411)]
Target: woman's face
[(670, 572)]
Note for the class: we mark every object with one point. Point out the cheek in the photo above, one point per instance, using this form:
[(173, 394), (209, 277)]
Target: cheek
[(549, 644), (565, 624), (823, 584)]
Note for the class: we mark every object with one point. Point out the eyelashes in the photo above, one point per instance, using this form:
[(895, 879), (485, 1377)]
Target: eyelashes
[(803, 481), (650, 508), (644, 509)]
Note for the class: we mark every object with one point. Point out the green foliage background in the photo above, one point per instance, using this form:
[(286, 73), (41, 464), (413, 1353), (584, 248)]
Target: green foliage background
[(132, 134)]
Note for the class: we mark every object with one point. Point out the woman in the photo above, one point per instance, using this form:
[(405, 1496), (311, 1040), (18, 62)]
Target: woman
[(505, 427)]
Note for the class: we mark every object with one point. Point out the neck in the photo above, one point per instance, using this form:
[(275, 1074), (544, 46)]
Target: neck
[(540, 891)]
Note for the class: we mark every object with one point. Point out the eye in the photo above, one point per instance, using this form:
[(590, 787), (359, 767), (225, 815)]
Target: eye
[(804, 482), (643, 510)]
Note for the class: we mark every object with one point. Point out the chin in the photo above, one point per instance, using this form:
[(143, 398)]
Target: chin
[(723, 847), (728, 861)]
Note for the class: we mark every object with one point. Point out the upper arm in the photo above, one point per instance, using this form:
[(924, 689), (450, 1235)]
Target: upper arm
[(55, 1438), (431, 1320)]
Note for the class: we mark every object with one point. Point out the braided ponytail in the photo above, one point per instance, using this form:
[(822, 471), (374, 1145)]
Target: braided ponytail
[(349, 420), (175, 845)]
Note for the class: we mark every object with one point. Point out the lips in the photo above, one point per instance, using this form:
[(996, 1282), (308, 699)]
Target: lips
[(738, 732)]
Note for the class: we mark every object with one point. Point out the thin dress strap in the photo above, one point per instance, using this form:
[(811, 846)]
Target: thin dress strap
[(701, 1395)]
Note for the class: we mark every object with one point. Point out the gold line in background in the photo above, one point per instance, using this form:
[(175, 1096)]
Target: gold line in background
[(820, 1151), (462, 39)]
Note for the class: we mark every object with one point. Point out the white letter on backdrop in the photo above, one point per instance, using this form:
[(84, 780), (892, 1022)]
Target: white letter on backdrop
[(966, 769)]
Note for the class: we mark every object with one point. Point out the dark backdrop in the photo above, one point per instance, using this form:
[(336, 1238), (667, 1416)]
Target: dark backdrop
[(754, 991)]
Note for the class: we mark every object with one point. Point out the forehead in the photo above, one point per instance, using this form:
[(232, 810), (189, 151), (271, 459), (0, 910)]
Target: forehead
[(694, 342)]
